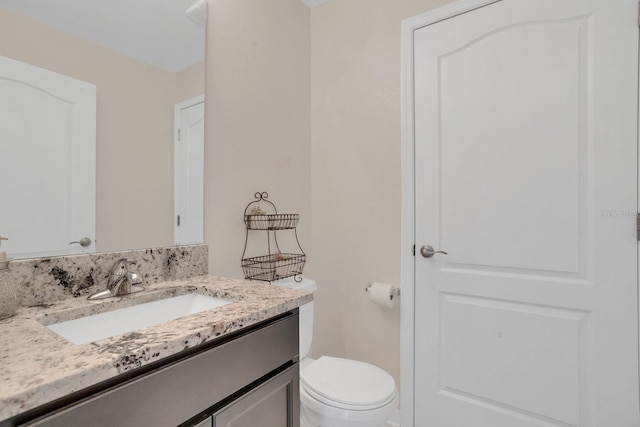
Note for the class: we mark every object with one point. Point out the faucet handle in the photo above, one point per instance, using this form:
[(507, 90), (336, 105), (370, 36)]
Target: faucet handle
[(118, 270), (121, 281)]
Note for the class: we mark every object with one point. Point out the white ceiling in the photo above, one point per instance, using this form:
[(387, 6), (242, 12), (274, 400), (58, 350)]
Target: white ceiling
[(154, 31)]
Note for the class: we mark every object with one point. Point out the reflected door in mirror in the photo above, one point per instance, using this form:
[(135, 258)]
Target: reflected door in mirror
[(189, 172), (47, 161)]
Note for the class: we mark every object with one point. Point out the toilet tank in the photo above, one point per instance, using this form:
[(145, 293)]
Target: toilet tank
[(306, 311)]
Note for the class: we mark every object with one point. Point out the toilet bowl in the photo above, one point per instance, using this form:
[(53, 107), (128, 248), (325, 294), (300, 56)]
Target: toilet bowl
[(336, 392)]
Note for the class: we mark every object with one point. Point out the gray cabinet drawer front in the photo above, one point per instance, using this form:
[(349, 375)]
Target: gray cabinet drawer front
[(275, 403), (175, 393)]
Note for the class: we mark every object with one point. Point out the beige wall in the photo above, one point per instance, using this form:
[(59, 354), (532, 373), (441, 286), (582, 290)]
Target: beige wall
[(356, 179), (190, 82), (258, 120), (338, 164), (134, 118)]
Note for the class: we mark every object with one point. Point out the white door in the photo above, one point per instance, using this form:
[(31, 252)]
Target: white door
[(526, 174), (47, 161), (189, 172)]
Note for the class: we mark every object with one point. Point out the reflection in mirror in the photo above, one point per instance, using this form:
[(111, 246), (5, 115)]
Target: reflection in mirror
[(145, 62)]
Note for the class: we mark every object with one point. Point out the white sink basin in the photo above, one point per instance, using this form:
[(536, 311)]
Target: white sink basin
[(120, 321)]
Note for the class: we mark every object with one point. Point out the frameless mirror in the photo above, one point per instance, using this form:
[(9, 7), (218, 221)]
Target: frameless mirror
[(123, 77)]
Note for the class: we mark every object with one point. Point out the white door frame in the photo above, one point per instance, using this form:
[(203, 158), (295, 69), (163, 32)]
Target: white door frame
[(407, 267)]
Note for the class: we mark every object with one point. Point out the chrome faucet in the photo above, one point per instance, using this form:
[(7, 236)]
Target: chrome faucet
[(121, 281)]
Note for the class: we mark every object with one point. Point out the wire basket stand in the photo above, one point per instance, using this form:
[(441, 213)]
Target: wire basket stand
[(262, 215)]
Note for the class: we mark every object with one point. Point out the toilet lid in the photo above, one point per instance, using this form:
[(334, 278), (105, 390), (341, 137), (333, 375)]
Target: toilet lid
[(348, 383)]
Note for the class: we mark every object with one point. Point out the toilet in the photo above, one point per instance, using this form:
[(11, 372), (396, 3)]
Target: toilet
[(337, 392)]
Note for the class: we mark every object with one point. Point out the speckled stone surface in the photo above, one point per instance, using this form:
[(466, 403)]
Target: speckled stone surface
[(45, 280), (37, 366)]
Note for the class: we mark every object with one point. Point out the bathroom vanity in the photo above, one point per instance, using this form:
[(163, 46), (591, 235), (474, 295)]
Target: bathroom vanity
[(233, 364)]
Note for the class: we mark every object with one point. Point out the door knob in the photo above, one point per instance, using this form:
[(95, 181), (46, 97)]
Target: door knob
[(427, 251), (85, 241)]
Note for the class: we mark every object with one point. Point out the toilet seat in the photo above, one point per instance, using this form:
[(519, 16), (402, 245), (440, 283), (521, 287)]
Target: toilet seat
[(348, 384)]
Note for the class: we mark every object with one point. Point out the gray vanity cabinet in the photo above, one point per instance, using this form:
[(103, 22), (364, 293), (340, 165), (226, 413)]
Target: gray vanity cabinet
[(247, 380)]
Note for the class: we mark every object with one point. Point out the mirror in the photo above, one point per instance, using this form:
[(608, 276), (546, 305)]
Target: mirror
[(144, 59)]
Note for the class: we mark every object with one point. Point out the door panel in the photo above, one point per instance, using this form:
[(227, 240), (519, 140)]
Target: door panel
[(477, 168), (525, 137), (490, 348)]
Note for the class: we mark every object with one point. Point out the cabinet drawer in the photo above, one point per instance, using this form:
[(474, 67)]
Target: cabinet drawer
[(275, 403)]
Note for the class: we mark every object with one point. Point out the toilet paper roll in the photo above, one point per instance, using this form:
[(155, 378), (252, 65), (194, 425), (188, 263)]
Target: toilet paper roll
[(382, 294)]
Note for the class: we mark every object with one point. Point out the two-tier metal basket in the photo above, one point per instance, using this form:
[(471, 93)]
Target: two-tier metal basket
[(262, 215)]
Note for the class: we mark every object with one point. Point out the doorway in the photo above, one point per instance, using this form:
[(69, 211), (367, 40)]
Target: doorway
[(189, 172), (520, 165)]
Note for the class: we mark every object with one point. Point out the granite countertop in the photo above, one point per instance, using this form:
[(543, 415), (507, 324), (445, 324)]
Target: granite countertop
[(37, 366)]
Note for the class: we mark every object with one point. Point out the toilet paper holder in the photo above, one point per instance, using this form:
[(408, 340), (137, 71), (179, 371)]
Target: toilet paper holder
[(395, 291)]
